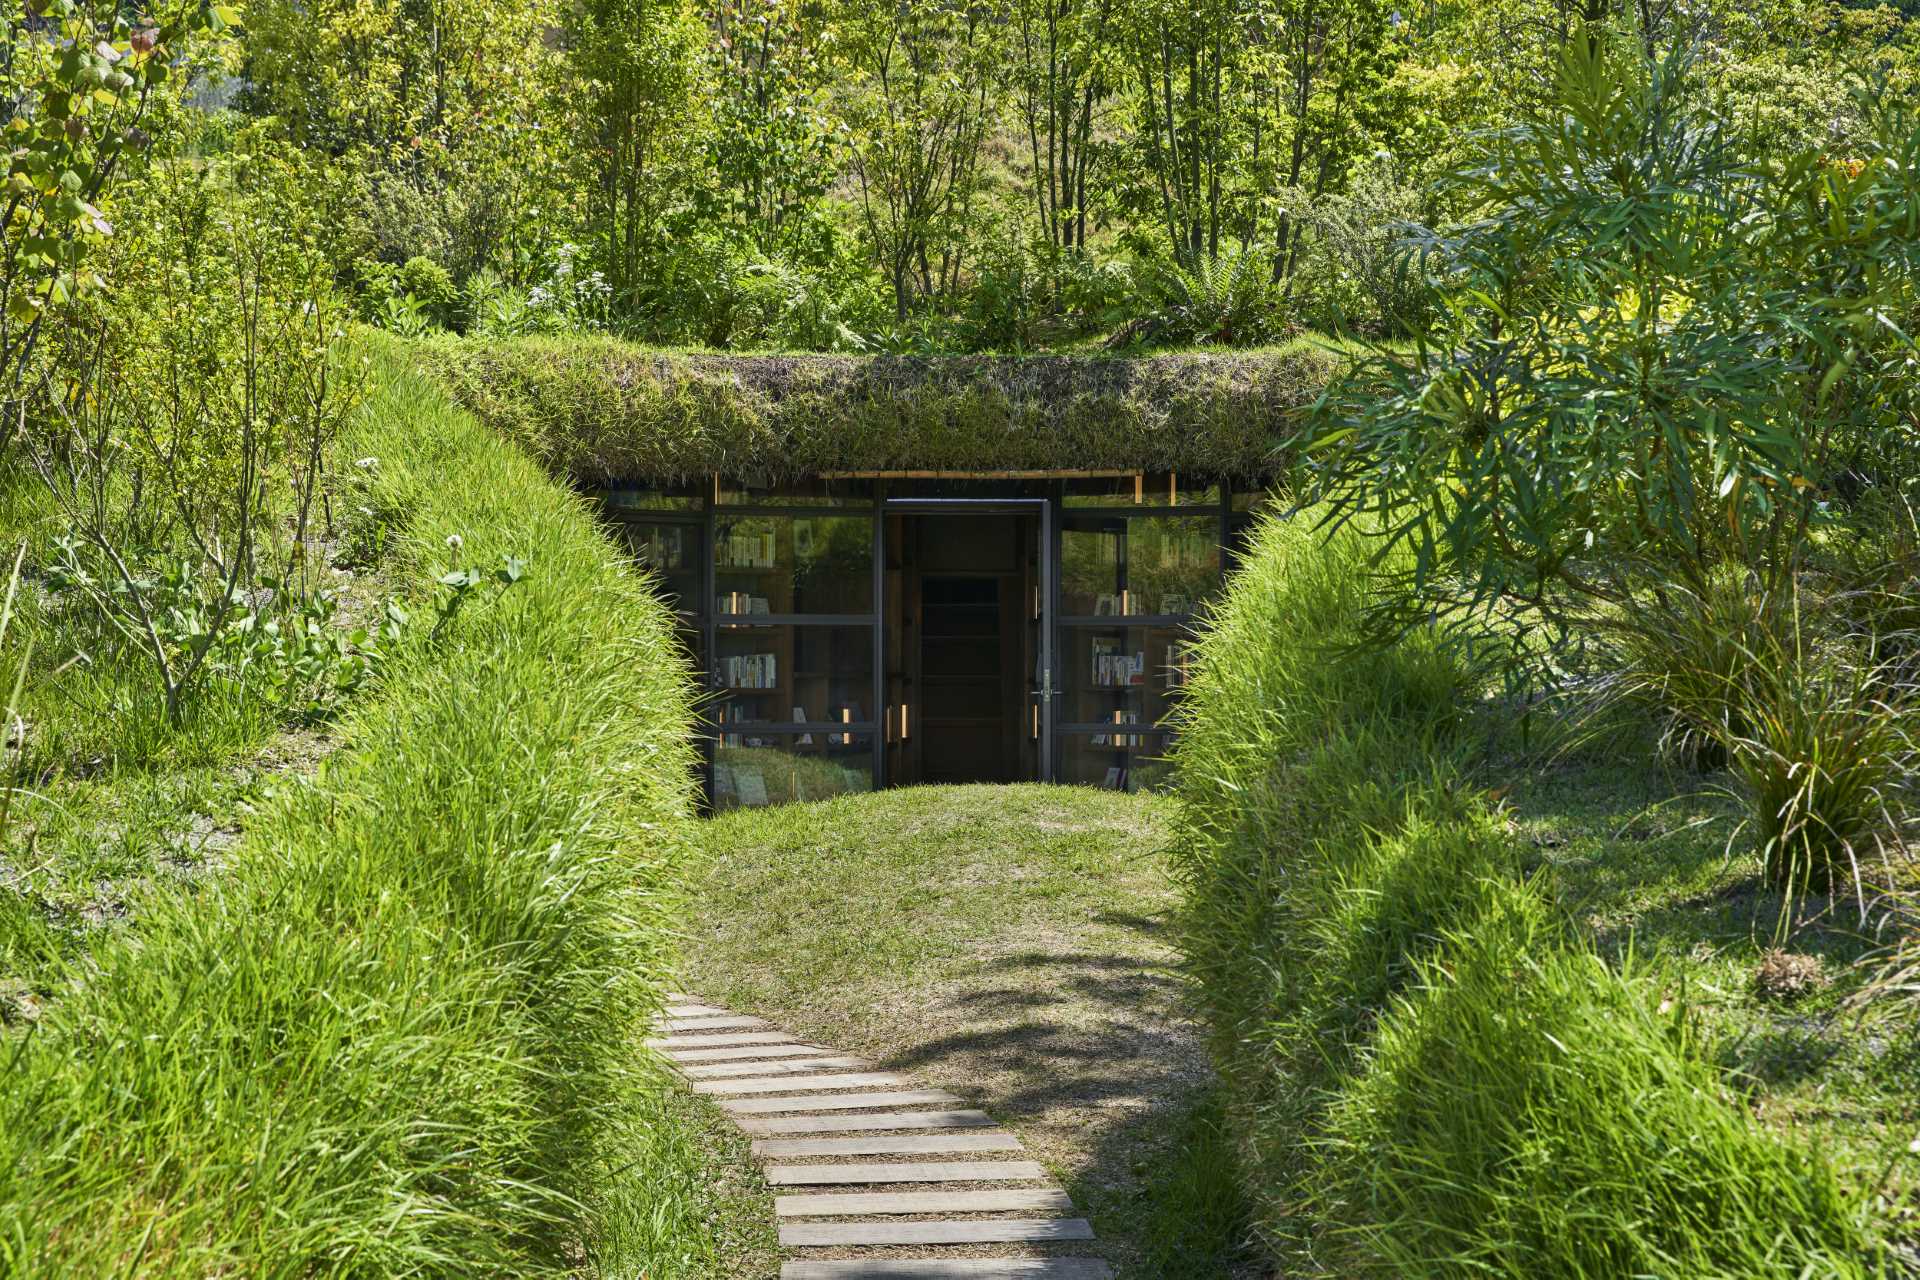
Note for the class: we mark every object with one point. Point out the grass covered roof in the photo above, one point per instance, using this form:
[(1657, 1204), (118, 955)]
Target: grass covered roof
[(600, 410)]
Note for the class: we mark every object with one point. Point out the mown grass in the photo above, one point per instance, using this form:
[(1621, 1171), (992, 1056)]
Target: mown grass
[(1007, 943), (1443, 1052), (395, 1034)]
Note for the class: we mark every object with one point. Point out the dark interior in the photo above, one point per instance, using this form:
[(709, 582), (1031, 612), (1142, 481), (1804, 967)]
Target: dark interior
[(957, 588)]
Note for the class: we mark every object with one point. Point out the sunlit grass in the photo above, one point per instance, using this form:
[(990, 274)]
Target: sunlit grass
[(396, 1034)]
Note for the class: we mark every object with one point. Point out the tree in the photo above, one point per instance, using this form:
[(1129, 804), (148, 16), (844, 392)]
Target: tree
[(639, 65), (774, 144), (1065, 77), (77, 80), (1242, 106), (1661, 351), (443, 110), (925, 79)]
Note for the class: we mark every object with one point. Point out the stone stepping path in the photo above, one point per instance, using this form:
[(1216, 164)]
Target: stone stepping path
[(814, 1113)]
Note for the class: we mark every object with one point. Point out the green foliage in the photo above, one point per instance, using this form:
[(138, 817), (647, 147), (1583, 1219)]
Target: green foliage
[(79, 78), (1229, 301), (440, 117), (1429, 1074), (392, 1038), (597, 409), (185, 449), (926, 81), (1660, 346), (1530, 1111), (638, 68), (774, 141)]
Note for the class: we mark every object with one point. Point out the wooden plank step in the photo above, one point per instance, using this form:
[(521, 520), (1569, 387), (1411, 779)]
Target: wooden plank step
[(824, 1175), (727, 1070), (815, 1235), (740, 1052), (949, 1269), (838, 1101), (677, 1010), (725, 1040), (864, 1203), (729, 1023), (786, 1084), (910, 1144), (859, 1121)]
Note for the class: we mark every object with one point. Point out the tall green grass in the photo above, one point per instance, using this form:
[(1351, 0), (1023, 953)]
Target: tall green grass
[(395, 1036), (1429, 1075)]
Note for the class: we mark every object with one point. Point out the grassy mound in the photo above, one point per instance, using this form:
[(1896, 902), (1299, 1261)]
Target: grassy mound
[(392, 1035), (597, 409), (1432, 1070)]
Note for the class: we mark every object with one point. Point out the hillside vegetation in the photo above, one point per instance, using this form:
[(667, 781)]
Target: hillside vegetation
[(395, 1034), (1451, 1049)]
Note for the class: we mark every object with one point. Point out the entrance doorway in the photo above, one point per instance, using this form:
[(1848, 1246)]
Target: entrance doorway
[(965, 641)]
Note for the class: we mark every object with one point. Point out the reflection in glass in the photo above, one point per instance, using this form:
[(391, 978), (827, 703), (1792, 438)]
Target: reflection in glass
[(793, 564), (794, 674), (1115, 762), (629, 497), (814, 491), (672, 553), (1133, 672), (1129, 566), (1143, 489), (755, 770)]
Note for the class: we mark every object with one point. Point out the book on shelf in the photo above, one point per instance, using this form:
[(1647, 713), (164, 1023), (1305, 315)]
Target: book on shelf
[(662, 548), (751, 671), (1122, 741), (1179, 664), (742, 550), (739, 604), (1113, 669)]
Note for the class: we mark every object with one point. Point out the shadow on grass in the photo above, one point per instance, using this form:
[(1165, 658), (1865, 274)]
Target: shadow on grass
[(1090, 1059)]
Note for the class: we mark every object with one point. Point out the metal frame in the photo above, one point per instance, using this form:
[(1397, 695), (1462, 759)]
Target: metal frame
[(1053, 512), (1049, 595)]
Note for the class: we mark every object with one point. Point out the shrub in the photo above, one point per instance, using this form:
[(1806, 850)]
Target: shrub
[(390, 1037), (1810, 719), (1232, 300), (432, 284)]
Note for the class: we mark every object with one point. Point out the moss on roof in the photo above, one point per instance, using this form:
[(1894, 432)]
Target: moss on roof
[(601, 410)]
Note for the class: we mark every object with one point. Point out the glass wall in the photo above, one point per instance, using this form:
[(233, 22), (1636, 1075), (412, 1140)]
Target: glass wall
[(793, 634), (776, 591)]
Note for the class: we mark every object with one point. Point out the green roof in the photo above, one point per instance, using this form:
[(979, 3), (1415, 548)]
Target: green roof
[(601, 410)]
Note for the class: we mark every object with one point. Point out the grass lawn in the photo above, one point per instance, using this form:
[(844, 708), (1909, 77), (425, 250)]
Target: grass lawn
[(1006, 943), (1653, 864)]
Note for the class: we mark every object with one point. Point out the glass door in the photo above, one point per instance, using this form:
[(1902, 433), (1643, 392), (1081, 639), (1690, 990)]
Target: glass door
[(926, 652)]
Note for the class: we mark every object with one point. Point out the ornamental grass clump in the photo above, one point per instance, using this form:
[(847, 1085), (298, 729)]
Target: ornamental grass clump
[(1809, 719), (1825, 762)]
